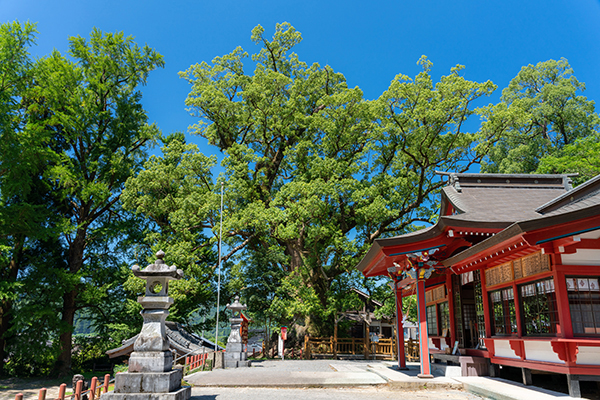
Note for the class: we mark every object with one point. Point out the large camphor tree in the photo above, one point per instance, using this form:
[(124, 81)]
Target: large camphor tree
[(314, 172)]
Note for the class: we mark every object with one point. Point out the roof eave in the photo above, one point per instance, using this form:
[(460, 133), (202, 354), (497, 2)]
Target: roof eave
[(520, 228)]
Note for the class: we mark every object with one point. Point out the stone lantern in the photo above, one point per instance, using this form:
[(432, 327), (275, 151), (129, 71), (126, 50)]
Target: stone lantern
[(235, 356), (150, 374)]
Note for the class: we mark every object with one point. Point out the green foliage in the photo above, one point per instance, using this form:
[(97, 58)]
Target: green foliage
[(120, 368), (314, 173), (581, 157), (541, 112), (73, 131), (175, 192), (89, 349)]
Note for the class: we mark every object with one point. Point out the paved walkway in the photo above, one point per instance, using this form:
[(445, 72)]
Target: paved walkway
[(379, 378), (339, 373), (342, 393)]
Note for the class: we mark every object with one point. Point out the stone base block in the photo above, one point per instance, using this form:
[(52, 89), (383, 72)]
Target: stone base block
[(237, 363), (150, 361), (233, 347), (235, 355), (182, 394), (148, 382)]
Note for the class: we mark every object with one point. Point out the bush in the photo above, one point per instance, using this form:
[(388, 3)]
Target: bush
[(87, 351)]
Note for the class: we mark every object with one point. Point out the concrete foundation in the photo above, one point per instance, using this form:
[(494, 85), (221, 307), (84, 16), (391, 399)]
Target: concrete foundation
[(149, 386), (159, 382), (182, 394)]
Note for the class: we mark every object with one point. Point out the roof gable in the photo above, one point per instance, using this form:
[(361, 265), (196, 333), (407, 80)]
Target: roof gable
[(500, 197), (584, 195)]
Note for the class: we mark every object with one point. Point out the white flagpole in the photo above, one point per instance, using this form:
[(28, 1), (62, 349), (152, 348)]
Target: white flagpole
[(219, 270)]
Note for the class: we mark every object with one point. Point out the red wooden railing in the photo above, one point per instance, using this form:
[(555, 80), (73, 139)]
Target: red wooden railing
[(94, 391), (196, 361)]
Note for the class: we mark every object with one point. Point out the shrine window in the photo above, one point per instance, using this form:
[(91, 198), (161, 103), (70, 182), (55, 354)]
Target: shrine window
[(432, 325), (503, 312), (444, 314), (584, 303), (438, 319), (539, 308)]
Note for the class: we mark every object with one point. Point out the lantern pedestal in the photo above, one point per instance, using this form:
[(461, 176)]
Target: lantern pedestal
[(235, 356), (150, 374)]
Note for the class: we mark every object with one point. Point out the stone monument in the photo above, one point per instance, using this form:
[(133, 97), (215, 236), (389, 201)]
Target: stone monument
[(235, 356), (151, 374)]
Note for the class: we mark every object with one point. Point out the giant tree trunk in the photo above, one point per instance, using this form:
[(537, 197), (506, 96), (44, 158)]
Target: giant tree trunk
[(316, 325)]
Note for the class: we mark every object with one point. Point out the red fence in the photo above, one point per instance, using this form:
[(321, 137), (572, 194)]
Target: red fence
[(196, 361), (93, 393)]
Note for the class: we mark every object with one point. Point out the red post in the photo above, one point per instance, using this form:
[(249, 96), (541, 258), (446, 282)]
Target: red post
[(61, 391), (399, 327), (423, 338), (106, 381), (93, 388), (42, 394), (78, 388), (450, 291), (19, 396)]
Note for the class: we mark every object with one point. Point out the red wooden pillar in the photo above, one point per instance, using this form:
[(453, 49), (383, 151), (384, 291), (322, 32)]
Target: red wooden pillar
[(450, 291), (486, 306), (423, 338), (562, 300), (399, 327), (517, 301)]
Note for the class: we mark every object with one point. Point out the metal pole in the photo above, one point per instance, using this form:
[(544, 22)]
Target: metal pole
[(219, 271)]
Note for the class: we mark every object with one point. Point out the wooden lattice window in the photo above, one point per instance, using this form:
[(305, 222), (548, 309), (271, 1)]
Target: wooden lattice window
[(539, 308), (584, 303), (503, 313)]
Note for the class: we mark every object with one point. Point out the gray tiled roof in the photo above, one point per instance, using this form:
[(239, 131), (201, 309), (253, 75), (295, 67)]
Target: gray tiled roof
[(499, 204), (589, 200)]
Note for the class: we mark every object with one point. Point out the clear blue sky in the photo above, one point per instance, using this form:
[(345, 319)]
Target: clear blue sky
[(369, 42)]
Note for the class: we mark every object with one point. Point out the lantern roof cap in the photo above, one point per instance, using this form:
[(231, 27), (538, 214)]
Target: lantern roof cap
[(158, 269), (236, 305)]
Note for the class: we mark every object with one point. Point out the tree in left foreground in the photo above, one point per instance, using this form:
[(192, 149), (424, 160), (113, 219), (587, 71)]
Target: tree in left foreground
[(92, 106)]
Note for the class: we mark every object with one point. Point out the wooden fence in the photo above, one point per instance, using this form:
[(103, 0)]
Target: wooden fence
[(359, 348), (196, 361), (93, 392)]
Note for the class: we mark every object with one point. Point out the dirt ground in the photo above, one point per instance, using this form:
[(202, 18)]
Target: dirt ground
[(30, 388)]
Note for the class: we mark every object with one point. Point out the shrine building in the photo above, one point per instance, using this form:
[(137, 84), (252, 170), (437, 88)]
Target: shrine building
[(508, 276)]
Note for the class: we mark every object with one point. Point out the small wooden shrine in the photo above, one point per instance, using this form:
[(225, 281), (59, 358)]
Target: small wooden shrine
[(509, 274)]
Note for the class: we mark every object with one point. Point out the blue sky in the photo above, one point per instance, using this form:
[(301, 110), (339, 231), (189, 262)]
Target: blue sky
[(369, 42)]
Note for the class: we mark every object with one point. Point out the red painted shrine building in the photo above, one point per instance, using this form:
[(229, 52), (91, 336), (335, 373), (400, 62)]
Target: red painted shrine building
[(510, 272)]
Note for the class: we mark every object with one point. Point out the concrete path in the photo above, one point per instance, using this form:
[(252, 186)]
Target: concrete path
[(357, 374), (342, 393), (290, 374), (502, 389)]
